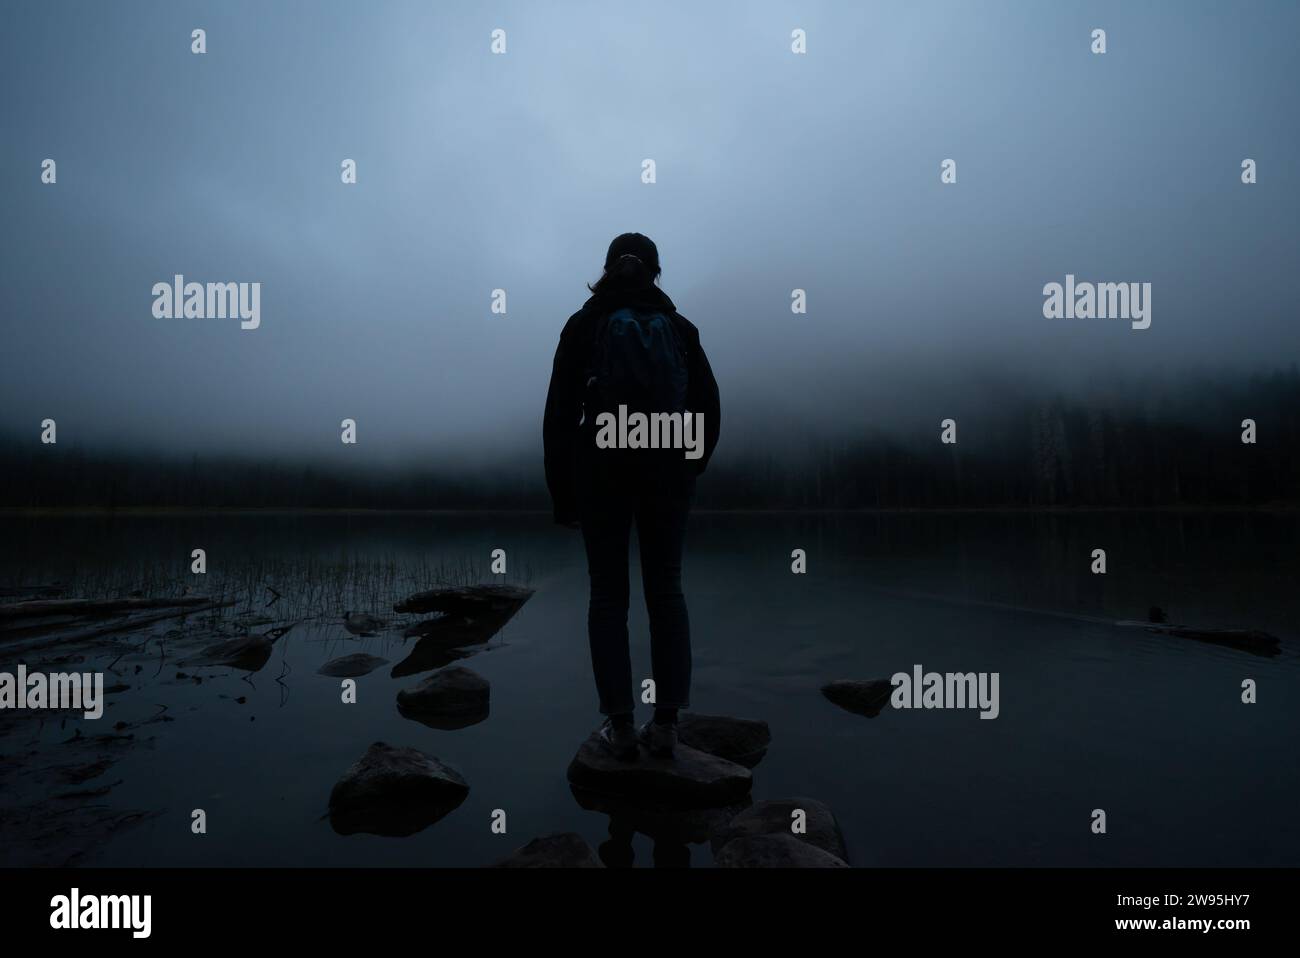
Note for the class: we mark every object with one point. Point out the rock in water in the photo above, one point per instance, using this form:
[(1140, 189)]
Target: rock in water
[(775, 817), (863, 698), (561, 850), (743, 741), (774, 851), (454, 690), (248, 654), (351, 666), (690, 779), (468, 601), (394, 791), (363, 623)]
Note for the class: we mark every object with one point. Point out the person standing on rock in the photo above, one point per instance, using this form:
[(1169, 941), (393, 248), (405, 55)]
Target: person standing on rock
[(632, 418)]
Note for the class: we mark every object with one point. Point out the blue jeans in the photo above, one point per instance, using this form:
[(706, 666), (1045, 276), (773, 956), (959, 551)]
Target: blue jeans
[(659, 507)]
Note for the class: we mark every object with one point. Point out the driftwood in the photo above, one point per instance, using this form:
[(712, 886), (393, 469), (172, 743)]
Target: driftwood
[(30, 592), (1245, 640), (36, 608), (1252, 641), (128, 624), (134, 622), (34, 628)]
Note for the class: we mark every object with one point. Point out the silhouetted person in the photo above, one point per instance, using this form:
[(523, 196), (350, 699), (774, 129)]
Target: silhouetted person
[(627, 352)]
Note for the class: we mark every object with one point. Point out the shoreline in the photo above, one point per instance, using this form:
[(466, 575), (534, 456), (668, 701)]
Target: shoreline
[(87, 511)]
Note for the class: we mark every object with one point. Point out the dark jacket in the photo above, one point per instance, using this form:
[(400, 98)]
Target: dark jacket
[(562, 438)]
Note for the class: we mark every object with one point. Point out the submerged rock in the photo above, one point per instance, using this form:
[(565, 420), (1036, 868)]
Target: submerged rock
[(394, 791), (362, 623), (774, 851), (248, 654), (743, 741), (863, 698), (690, 779), (451, 691), (351, 666), (776, 816), (560, 850)]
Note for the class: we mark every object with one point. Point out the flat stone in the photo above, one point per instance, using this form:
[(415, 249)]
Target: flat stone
[(351, 666), (394, 791), (690, 779), (863, 698), (774, 851), (452, 690), (469, 601), (775, 817), (560, 850), (739, 740)]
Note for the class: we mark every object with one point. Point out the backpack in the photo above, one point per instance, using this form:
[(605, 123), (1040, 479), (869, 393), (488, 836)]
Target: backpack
[(638, 361)]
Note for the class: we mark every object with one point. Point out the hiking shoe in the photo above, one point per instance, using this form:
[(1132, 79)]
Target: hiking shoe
[(660, 740), (618, 740)]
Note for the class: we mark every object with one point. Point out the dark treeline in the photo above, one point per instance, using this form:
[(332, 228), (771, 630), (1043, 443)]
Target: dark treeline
[(1177, 451)]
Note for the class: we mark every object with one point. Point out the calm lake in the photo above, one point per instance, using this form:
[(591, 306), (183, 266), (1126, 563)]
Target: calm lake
[(1151, 728)]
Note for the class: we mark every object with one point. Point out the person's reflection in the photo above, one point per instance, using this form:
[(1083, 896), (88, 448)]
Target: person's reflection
[(671, 854), (617, 850)]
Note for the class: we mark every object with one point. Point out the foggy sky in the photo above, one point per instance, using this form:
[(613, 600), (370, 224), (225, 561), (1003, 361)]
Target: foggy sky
[(775, 171)]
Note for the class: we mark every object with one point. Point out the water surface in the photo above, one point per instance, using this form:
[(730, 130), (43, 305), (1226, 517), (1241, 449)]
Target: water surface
[(1150, 728)]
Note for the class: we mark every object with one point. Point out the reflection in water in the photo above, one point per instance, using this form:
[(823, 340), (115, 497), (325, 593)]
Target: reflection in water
[(448, 638), (617, 851), (446, 721), (392, 819), (672, 830), (249, 653), (1087, 704), (426, 655)]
